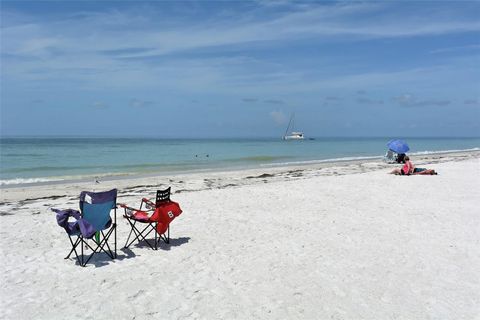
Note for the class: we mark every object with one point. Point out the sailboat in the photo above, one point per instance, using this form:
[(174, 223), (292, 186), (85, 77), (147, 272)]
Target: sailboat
[(294, 135)]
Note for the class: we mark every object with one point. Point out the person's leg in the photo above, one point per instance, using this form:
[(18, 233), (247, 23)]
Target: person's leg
[(428, 171), (396, 171)]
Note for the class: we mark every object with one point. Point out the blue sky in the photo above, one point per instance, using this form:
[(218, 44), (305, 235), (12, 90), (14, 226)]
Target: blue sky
[(239, 69)]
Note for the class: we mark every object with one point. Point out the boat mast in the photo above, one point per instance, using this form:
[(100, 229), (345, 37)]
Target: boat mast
[(289, 123)]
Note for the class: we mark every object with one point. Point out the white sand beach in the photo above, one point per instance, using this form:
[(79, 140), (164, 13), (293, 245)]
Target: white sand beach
[(324, 241)]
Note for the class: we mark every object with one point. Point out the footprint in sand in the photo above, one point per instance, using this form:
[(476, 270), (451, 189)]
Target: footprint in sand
[(138, 294)]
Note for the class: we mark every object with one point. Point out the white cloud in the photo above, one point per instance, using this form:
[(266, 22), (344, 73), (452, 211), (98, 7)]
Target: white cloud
[(472, 101), (102, 30), (131, 49), (274, 101), (404, 99), (136, 103), (99, 105), (364, 100), (456, 48), (408, 100)]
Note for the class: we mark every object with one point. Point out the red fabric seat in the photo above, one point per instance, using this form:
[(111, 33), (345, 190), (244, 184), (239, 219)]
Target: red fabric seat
[(163, 215), (140, 216)]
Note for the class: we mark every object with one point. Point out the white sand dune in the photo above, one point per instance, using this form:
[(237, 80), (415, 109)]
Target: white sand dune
[(308, 243)]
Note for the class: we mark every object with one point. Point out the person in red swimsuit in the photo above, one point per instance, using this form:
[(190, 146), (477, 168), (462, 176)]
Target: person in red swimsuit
[(408, 169)]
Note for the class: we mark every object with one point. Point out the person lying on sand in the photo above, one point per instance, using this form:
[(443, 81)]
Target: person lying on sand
[(424, 171), (408, 169)]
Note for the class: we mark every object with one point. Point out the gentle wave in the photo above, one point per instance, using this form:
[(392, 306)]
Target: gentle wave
[(343, 159), (6, 154), (257, 159), (443, 151), (26, 181), (20, 181), (47, 168), (139, 166)]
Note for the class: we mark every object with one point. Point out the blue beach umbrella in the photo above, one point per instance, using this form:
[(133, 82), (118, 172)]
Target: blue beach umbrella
[(398, 146)]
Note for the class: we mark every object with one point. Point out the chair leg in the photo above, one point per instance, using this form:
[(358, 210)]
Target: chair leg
[(139, 235), (166, 236), (114, 253), (81, 245), (101, 246), (132, 226), (115, 226), (78, 241), (156, 241), (105, 243), (74, 246)]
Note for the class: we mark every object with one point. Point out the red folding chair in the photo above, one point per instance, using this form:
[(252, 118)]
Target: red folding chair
[(155, 218)]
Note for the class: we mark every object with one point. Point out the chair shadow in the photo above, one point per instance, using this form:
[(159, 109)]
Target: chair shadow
[(174, 242), (102, 259)]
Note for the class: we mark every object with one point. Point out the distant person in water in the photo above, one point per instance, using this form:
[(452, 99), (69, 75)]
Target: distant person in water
[(408, 169)]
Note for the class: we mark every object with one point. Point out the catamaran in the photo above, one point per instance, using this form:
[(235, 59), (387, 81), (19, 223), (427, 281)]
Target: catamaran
[(294, 135)]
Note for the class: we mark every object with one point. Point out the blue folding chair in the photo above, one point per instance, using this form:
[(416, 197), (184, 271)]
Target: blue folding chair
[(93, 222)]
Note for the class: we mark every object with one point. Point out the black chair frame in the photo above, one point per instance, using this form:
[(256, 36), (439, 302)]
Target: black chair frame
[(100, 246)]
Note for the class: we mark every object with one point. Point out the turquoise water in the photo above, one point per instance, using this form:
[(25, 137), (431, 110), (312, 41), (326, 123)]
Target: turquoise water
[(33, 160)]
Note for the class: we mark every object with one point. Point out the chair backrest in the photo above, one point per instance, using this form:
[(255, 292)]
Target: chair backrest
[(96, 206), (390, 157), (162, 196)]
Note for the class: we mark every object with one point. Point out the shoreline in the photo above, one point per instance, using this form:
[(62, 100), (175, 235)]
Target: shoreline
[(212, 168), (221, 178)]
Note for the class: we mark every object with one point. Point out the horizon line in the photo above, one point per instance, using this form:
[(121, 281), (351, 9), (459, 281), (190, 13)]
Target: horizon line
[(222, 137)]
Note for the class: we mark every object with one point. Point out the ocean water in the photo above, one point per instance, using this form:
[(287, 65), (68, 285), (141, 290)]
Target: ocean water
[(41, 160)]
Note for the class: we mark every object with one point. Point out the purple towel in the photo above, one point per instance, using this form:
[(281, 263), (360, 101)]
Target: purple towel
[(78, 226)]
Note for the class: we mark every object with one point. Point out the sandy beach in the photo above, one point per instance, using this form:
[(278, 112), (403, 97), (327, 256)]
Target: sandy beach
[(322, 241)]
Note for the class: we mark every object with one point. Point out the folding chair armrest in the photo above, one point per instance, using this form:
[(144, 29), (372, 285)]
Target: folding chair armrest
[(128, 210), (67, 213), (149, 205)]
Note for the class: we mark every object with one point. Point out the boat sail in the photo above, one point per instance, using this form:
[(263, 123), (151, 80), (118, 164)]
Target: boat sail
[(294, 135)]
